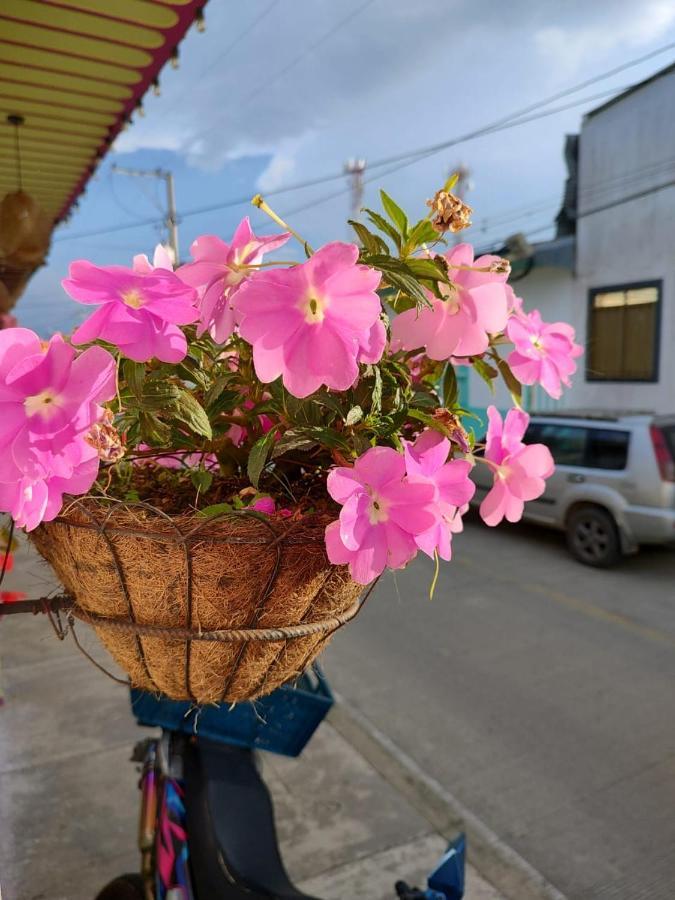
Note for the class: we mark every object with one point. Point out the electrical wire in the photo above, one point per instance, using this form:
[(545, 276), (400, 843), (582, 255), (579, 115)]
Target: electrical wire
[(291, 65), (226, 52), (402, 160)]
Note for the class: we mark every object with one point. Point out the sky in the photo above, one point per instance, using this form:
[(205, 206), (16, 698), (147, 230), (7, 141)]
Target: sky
[(277, 92)]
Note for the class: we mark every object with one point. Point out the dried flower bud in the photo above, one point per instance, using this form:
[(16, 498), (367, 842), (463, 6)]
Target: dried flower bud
[(105, 439), (456, 432), (450, 213), (500, 266)]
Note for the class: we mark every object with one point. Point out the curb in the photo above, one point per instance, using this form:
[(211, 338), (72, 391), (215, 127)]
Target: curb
[(505, 869)]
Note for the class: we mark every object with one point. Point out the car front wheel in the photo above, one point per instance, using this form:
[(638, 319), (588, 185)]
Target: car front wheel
[(593, 538)]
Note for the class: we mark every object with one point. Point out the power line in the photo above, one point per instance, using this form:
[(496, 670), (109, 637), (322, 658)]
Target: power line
[(410, 158), (227, 50), (292, 64), (402, 160)]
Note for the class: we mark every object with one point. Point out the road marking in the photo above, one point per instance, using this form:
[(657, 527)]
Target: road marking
[(590, 610)]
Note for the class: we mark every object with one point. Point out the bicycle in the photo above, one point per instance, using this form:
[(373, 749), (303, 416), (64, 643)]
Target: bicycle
[(206, 824)]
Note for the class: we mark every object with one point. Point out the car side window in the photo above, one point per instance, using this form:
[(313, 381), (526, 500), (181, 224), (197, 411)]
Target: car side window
[(607, 449), (567, 443)]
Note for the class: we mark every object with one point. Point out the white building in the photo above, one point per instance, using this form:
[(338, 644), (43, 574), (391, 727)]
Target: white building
[(611, 270)]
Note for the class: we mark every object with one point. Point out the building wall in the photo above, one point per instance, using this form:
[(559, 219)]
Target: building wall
[(625, 149), (554, 293)]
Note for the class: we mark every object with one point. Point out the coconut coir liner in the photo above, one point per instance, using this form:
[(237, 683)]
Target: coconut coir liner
[(130, 561)]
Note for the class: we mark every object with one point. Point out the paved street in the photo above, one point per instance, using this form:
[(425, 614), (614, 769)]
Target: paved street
[(540, 693)]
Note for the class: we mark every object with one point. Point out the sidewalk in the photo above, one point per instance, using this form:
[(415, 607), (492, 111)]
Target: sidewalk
[(69, 801)]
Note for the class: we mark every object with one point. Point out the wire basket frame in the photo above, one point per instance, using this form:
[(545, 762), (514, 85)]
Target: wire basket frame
[(159, 617)]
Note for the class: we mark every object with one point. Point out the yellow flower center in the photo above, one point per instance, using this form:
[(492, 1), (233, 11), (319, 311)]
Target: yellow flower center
[(132, 298), (44, 404), (313, 309), (536, 343)]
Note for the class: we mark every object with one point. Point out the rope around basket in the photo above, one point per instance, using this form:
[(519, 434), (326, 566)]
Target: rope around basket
[(304, 629)]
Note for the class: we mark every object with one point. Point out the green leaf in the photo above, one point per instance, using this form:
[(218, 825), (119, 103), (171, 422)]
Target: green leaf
[(201, 479), (450, 386), (428, 420), (134, 375), (487, 372), (188, 410), (395, 213), (376, 398), (399, 275), (371, 242), (153, 430), (292, 440), (427, 268), (384, 226), (216, 509), (354, 415), (422, 233), (258, 455), (451, 182), (511, 382)]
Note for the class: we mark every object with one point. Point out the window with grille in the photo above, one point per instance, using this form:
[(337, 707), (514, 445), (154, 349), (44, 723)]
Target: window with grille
[(623, 333)]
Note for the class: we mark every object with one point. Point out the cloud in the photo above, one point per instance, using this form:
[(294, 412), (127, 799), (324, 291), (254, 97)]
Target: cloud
[(569, 47)]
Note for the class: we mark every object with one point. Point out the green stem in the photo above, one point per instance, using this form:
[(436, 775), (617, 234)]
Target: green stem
[(261, 204)]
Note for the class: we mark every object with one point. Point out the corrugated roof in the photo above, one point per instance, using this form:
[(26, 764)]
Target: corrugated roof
[(75, 70)]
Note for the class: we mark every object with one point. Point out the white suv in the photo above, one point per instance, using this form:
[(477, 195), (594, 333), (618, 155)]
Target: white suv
[(614, 484)]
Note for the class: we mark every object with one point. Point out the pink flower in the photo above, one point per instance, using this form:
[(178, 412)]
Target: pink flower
[(48, 397), (473, 307), (139, 312), (519, 470), (313, 323), (543, 353), (218, 271), (38, 497), (161, 259), (382, 512), (239, 433), (268, 506), (426, 462)]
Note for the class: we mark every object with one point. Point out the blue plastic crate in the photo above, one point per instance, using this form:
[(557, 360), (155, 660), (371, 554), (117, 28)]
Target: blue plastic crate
[(283, 722)]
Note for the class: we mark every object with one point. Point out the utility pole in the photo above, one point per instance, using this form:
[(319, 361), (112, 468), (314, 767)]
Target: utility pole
[(354, 169), (171, 219)]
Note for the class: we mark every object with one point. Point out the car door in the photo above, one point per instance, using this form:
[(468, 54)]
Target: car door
[(567, 444)]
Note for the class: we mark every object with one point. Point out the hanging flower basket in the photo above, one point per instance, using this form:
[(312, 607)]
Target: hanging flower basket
[(208, 610), (223, 456)]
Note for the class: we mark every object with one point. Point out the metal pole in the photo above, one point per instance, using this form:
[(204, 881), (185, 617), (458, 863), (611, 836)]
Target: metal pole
[(171, 219)]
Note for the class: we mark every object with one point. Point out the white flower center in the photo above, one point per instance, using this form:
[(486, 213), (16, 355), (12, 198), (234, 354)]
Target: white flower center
[(44, 404), (313, 309), (536, 343), (132, 298), (451, 296), (378, 511)]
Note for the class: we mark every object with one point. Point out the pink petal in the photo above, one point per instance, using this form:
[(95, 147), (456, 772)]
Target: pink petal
[(493, 507), (379, 466), (372, 347), (336, 551), (401, 547), (329, 258), (342, 483)]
